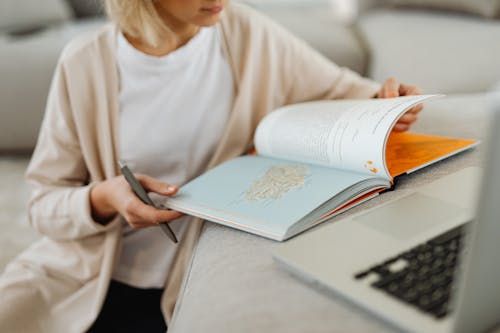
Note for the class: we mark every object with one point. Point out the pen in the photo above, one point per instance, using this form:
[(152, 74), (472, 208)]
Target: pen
[(141, 193)]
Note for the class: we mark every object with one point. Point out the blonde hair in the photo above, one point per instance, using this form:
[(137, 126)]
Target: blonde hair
[(138, 19)]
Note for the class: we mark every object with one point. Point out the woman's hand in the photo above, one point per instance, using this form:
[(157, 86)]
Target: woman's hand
[(392, 88), (115, 196)]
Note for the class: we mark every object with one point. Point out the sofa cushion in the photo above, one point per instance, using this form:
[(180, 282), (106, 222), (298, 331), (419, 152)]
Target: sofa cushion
[(17, 15), (441, 52), (86, 8), (315, 24), (487, 8), (26, 78)]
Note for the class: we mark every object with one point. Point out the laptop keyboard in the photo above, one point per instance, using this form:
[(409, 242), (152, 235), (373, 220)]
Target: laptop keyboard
[(423, 275)]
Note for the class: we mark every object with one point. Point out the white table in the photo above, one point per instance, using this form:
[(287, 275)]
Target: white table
[(233, 285)]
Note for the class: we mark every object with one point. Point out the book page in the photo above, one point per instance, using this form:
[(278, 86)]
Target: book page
[(345, 134), (267, 196), (408, 152)]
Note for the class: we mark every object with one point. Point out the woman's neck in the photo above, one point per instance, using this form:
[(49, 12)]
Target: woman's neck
[(181, 34)]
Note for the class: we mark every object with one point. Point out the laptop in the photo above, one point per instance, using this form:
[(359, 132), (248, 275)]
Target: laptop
[(425, 262)]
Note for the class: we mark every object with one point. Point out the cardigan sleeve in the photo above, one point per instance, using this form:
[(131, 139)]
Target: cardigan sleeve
[(59, 207), (315, 77)]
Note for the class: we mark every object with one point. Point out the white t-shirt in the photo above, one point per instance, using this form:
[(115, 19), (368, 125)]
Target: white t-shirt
[(173, 110)]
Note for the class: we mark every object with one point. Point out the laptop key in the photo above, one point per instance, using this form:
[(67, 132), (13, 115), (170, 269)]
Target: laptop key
[(441, 312), (384, 281), (410, 295), (362, 275)]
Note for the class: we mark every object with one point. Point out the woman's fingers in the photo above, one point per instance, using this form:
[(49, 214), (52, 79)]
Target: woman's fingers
[(404, 123), (417, 108), (401, 127), (151, 184), (408, 118), (392, 88), (409, 90), (116, 196), (140, 215), (389, 89)]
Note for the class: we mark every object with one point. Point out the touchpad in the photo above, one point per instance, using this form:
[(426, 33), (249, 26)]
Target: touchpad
[(409, 216)]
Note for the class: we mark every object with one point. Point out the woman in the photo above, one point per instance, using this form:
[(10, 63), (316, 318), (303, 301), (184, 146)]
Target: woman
[(173, 87)]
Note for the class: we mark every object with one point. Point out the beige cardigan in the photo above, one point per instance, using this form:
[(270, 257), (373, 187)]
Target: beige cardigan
[(59, 283)]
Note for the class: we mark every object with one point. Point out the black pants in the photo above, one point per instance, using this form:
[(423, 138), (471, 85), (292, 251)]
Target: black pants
[(129, 309)]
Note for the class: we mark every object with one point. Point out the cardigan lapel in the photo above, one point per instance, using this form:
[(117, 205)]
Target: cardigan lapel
[(111, 68), (106, 111), (233, 141)]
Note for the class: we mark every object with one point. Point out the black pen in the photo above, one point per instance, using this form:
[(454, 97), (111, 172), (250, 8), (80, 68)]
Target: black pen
[(141, 193)]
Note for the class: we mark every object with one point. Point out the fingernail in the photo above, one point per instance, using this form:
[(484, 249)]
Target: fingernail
[(171, 188)]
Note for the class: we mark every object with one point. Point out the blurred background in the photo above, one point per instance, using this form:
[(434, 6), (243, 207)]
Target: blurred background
[(443, 46)]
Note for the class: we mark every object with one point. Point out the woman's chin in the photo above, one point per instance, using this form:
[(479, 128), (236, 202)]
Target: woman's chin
[(208, 19), (208, 23)]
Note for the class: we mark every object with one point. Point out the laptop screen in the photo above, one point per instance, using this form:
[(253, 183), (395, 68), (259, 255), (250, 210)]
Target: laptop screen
[(478, 299)]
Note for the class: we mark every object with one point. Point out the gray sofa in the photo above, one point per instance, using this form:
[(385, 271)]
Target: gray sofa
[(454, 52), (32, 36), (441, 51)]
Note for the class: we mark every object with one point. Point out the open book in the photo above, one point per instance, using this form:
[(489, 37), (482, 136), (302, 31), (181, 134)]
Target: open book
[(314, 160)]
